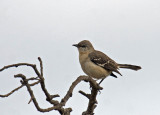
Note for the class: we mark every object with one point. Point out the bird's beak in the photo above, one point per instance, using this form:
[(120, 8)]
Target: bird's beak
[(76, 45)]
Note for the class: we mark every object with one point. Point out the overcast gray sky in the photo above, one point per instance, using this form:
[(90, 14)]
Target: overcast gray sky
[(126, 30)]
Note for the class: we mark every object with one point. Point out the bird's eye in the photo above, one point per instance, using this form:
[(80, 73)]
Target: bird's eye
[(83, 46)]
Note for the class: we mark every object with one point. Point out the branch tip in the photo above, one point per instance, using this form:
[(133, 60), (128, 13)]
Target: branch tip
[(59, 106)]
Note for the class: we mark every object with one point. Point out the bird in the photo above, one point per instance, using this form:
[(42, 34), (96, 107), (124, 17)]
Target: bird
[(98, 65)]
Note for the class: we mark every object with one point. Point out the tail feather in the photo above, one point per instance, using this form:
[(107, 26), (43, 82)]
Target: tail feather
[(128, 66)]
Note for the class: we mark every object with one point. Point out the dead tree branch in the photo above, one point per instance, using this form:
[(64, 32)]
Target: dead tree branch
[(16, 89), (56, 105)]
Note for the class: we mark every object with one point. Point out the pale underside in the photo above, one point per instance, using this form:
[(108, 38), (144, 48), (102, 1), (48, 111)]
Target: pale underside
[(94, 71)]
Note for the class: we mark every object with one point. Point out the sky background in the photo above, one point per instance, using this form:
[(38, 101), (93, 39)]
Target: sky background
[(128, 31)]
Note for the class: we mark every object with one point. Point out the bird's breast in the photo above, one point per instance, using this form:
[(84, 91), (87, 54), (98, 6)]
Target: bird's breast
[(92, 69)]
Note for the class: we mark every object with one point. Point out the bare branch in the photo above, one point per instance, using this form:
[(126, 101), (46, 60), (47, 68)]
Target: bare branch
[(35, 83), (49, 97), (33, 78), (69, 93), (92, 97), (41, 65), (22, 64), (56, 104), (54, 96), (42, 83), (78, 80), (84, 94), (16, 89), (32, 94), (8, 94), (92, 102)]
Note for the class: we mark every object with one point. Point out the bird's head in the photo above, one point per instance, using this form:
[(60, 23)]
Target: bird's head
[(84, 46)]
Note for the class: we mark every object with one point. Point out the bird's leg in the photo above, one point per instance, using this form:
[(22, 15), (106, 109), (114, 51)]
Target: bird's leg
[(101, 81), (90, 84)]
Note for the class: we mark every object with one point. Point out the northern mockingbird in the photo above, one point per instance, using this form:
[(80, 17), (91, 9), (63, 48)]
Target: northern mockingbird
[(96, 64)]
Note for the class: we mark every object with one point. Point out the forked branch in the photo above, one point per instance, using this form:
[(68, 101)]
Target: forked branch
[(56, 105)]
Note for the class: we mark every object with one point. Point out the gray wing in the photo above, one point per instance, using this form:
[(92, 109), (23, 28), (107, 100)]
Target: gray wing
[(104, 61)]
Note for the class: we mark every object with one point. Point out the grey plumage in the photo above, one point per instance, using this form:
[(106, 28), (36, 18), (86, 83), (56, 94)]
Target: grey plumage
[(128, 66), (100, 59), (98, 65)]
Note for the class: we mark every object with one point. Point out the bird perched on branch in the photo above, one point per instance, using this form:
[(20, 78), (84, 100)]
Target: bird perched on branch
[(98, 65)]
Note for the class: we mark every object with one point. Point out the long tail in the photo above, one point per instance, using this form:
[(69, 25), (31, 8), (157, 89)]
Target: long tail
[(128, 66)]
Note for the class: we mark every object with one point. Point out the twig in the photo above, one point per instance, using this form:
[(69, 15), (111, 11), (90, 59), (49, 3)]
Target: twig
[(41, 65), (16, 89), (69, 92), (32, 94), (92, 99), (42, 83), (8, 94), (59, 106), (92, 102), (84, 94), (22, 64)]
